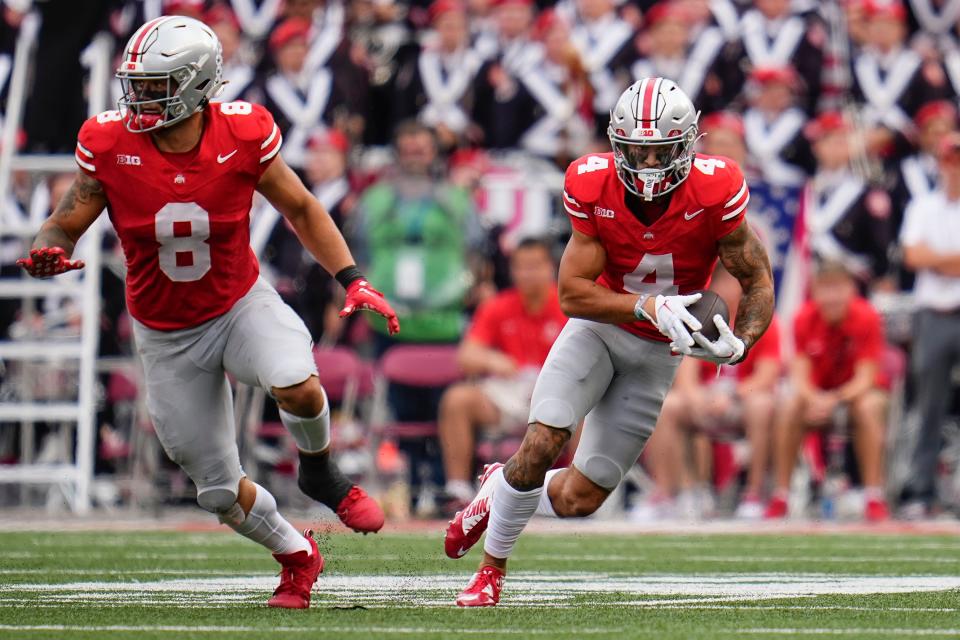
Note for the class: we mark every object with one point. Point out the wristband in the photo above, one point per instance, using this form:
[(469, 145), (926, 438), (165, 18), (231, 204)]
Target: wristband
[(638, 311), (349, 275)]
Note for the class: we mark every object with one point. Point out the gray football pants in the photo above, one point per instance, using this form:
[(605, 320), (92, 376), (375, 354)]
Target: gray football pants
[(614, 378)]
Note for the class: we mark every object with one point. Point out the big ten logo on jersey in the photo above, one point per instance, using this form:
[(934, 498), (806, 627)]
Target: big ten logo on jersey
[(133, 161)]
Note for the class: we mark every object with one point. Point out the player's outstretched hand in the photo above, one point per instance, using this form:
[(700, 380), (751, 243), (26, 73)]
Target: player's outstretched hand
[(673, 320), (360, 295), (46, 262), (727, 349)]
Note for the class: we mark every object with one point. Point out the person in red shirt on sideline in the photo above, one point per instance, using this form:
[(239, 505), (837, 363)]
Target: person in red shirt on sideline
[(505, 347), (839, 344), (704, 401)]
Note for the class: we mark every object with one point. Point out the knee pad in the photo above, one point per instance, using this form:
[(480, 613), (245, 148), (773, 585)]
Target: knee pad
[(554, 412), (601, 470), (222, 502), (312, 435)]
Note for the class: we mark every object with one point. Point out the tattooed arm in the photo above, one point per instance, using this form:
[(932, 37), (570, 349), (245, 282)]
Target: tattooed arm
[(58, 236), (743, 255), (79, 208)]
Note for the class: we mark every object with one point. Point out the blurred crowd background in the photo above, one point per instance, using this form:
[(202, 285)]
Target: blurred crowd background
[(437, 133)]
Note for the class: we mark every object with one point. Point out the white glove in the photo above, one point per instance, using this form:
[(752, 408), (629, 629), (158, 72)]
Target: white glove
[(673, 320), (728, 348)]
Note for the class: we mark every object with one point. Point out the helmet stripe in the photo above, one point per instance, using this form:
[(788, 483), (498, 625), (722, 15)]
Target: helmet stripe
[(649, 85), (646, 99), (139, 39)]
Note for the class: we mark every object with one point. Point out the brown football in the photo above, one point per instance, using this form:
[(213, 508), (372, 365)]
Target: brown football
[(705, 308)]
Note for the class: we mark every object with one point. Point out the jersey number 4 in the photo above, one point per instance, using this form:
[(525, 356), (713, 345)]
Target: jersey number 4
[(661, 267), (183, 229)]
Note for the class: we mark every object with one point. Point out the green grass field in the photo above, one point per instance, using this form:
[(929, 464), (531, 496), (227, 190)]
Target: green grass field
[(213, 585)]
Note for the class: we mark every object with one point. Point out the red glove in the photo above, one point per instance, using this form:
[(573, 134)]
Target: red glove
[(48, 261), (360, 295)]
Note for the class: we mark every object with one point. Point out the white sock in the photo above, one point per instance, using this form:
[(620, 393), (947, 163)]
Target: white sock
[(460, 489), (265, 525), (312, 435), (509, 514), (545, 506)]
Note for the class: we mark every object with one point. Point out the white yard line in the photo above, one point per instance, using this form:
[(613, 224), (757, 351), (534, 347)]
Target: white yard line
[(353, 630), (120, 572), (522, 589), (779, 559), (850, 632)]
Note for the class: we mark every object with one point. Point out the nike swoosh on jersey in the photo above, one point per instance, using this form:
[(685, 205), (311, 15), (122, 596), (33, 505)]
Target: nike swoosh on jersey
[(691, 216), (221, 159)]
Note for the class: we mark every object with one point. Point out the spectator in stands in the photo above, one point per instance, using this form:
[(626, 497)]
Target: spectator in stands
[(504, 349), (845, 219), (504, 108), (891, 81), (605, 43), (931, 245), (919, 173), (418, 237), (256, 22), (303, 95), (773, 34), (437, 87), (704, 404), (298, 99), (667, 49), (238, 71), (839, 345), (774, 127), (724, 135), (381, 42), (559, 85)]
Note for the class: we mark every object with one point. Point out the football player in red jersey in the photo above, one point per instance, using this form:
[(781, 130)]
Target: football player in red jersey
[(649, 221), (176, 173)]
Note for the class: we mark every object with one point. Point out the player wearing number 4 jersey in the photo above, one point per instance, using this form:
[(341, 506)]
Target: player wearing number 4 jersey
[(176, 173), (650, 220)]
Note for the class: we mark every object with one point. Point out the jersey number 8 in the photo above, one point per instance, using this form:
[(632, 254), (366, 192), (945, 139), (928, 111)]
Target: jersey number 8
[(182, 229)]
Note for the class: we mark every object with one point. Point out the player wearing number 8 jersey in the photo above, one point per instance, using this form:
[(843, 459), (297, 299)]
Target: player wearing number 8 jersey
[(177, 173), (650, 220)]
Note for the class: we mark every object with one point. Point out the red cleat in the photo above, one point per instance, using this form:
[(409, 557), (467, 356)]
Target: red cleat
[(360, 512), (876, 510), (300, 571), (776, 509), (483, 590), (468, 525)]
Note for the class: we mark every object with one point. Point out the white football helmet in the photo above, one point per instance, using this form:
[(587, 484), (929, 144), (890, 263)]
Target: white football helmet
[(179, 52), (653, 119)]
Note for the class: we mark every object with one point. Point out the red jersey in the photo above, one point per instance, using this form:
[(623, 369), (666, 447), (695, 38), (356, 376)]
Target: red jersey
[(183, 218), (677, 253), (502, 323), (766, 348), (835, 350)]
